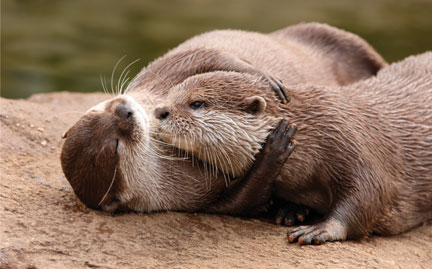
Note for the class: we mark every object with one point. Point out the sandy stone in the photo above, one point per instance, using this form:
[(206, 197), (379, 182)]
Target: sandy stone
[(43, 225)]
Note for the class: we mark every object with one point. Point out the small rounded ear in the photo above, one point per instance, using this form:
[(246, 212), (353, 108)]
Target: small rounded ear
[(255, 105)]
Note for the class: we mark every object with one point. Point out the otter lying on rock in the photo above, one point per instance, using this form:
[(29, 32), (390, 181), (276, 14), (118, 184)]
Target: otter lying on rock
[(113, 157), (364, 152)]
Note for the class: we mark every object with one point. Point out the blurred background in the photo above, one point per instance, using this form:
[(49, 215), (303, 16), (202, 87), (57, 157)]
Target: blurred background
[(66, 45)]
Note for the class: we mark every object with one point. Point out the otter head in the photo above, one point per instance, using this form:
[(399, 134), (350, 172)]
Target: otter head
[(98, 148), (112, 161), (221, 118)]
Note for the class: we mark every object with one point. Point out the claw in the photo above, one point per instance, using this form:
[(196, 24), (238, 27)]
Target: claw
[(289, 213), (330, 230), (279, 89), (284, 94)]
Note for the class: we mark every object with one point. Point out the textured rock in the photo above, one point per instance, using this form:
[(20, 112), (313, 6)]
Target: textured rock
[(43, 224)]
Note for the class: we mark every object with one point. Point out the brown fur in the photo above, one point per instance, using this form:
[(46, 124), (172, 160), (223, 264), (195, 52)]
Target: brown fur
[(349, 58), (94, 147), (150, 177), (90, 155), (310, 53), (364, 152)]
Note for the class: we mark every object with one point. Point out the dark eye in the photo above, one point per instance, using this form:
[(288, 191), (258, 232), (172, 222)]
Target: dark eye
[(196, 105)]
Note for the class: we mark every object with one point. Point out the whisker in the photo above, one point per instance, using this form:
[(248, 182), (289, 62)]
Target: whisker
[(123, 75), (112, 73), (110, 186), (123, 84), (103, 87)]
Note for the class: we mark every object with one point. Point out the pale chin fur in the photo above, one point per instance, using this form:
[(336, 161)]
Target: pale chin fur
[(149, 167), (230, 150), (139, 164)]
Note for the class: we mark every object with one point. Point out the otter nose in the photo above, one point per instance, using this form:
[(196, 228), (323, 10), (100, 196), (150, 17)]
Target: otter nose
[(124, 111), (161, 113)]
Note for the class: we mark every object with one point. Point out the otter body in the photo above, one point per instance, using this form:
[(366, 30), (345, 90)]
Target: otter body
[(113, 156), (310, 53), (363, 155), (366, 155)]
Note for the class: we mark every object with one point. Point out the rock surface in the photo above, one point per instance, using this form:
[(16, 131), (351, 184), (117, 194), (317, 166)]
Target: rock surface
[(43, 225)]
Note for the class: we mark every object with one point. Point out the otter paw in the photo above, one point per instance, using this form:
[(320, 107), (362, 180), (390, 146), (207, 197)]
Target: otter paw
[(279, 89), (318, 234), (290, 214), (279, 144), (276, 85)]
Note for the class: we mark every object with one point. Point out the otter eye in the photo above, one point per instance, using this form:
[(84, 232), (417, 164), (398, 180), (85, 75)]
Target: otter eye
[(196, 105)]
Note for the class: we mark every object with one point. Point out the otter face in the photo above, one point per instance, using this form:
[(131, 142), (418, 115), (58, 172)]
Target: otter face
[(113, 161), (98, 154), (221, 118)]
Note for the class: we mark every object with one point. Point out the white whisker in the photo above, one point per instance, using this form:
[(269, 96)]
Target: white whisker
[(112, 74), (110, 186), (123, 75)]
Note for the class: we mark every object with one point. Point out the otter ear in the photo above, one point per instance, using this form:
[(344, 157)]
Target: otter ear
[(255, 105)]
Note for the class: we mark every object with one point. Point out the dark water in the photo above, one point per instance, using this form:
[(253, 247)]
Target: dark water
[(65, 45)]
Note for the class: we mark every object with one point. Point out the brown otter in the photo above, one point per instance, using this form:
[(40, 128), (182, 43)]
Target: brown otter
[(113, 163), (364, 154), (119, 123), (310, 53)]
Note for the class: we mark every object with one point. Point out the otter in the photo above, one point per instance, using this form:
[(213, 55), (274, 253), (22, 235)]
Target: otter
[(119, 122), (113, 157), (364, 151)]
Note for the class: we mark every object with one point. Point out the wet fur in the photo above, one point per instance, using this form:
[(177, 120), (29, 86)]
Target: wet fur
[(309, 53), (151, 175), (364, 152)]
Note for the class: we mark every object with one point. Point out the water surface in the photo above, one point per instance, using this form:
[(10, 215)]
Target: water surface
[(66, 45)]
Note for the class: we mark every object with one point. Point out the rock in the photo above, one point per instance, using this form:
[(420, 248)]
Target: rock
[(43, 224)]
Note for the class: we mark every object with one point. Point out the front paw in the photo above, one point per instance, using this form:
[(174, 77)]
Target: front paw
[(279, 144), (276, 85), (329, 230), (278, 88)]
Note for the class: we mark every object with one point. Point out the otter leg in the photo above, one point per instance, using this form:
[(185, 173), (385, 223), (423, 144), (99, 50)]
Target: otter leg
[(276, 84), (220, 61), (329, 230), (290, 213), (253, 191), (353, 215), (226, 62), (232, 63), (207, 60)]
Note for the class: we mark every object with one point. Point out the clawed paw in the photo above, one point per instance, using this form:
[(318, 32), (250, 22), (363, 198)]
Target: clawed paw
[(276, 85), (291, 214), (318, 234), (279, 142), (279, 89), (306, 235)]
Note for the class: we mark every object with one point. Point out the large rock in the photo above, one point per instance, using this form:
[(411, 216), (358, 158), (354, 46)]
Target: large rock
[(44, 225)]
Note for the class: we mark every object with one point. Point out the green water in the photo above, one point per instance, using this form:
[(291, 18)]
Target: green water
[(66, 45)]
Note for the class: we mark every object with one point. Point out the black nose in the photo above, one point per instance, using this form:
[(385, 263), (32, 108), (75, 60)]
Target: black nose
[(161, 113), (124, 111)]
